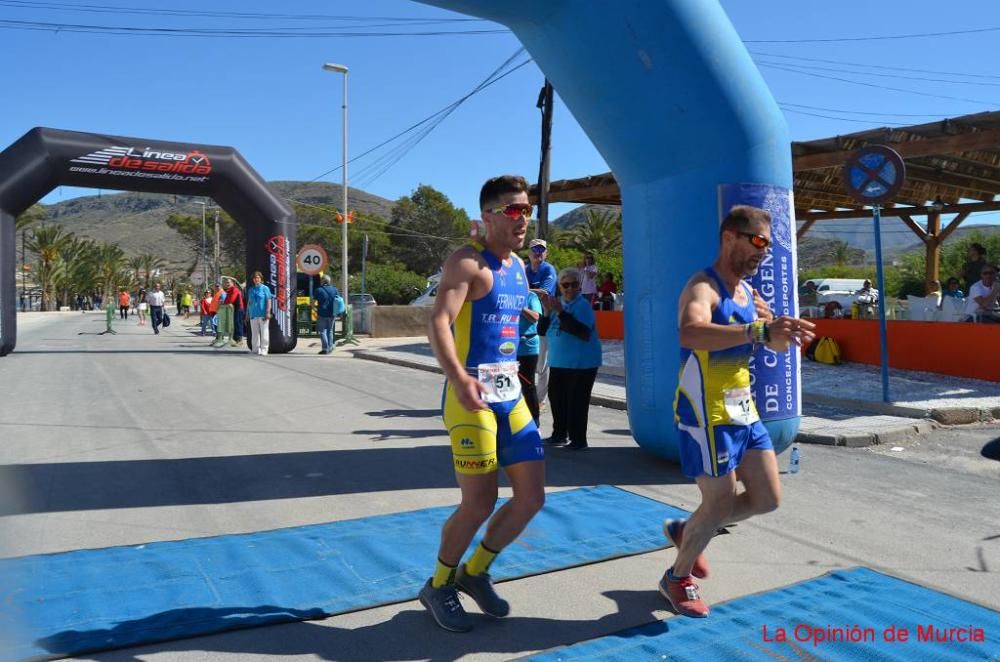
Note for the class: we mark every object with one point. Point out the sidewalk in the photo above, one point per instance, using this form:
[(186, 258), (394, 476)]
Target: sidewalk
[(829, 416)]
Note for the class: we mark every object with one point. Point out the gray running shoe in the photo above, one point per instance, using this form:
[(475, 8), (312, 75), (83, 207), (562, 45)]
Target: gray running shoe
[(480, 589), (444, 606)]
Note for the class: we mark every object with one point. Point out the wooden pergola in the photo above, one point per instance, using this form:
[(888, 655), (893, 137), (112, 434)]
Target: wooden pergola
[(952, 167)]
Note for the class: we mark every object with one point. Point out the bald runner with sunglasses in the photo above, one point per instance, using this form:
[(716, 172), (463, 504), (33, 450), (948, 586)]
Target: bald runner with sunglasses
[(474, 331), (720, 322)]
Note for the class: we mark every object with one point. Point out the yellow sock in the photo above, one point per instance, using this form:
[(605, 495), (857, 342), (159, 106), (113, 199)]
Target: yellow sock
[(480, 560), (443, 574)]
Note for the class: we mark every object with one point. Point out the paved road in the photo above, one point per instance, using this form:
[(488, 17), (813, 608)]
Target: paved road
[(111, 440)]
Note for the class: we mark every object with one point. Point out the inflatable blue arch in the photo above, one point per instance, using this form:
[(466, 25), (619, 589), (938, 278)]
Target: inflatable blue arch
[(672, 100)]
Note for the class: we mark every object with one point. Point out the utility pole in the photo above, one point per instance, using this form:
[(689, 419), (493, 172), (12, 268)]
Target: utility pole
[(545, 103)]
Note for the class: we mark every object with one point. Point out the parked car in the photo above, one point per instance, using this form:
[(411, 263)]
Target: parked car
[(359, 300)]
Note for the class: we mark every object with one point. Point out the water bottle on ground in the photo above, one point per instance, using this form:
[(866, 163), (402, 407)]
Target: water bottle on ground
[(793, 460)]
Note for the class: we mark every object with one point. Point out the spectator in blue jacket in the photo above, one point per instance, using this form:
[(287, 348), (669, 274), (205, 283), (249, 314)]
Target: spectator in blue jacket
[(527, 351), (574, 357), (326, 313), (259, 298)]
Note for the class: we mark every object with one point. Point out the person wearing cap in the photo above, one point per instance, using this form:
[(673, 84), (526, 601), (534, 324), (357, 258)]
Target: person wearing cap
[(542, 278), (326, 313)]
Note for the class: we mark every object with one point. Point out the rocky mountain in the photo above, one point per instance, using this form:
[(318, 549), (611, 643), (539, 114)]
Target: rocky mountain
[(137, 221)]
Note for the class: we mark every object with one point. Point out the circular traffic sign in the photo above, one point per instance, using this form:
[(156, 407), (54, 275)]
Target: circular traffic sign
[(311, 259), (197, 278), (874, 174)]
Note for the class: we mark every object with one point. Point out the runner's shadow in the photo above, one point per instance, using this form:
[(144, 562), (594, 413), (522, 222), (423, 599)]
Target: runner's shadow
[(411, 634)]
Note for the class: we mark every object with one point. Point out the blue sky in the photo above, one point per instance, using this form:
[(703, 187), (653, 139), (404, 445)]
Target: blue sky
[(269, 98)]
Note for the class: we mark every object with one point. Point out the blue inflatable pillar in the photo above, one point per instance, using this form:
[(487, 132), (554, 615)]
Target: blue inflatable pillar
[(670, 97)]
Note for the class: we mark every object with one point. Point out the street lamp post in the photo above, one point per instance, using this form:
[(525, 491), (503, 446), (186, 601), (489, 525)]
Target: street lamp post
[(339, 68), (204, 257)]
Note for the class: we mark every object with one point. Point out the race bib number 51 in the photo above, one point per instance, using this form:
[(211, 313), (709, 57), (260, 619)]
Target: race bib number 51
[(500, 381)]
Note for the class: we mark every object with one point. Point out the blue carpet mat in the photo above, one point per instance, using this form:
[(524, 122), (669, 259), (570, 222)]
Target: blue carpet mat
[(858, 599), (91, 600)]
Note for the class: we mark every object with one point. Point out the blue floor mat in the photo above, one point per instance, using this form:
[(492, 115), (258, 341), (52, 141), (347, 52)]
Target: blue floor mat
[(91, 600), (843, 599)]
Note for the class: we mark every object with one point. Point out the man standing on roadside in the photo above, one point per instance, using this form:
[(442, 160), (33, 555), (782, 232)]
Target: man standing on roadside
[(474, 333), (156, 300), (326, 313), (542, 277), (718, 426)]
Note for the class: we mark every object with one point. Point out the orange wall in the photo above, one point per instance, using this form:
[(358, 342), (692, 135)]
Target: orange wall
[(610, 324), (947, 348)]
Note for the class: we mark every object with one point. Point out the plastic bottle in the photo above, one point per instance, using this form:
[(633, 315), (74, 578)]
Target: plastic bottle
[(793, 460)]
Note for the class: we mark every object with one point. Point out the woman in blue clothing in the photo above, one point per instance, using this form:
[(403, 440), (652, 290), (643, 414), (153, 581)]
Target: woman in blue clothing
[(574, 357), (527, 351), (259, 299)]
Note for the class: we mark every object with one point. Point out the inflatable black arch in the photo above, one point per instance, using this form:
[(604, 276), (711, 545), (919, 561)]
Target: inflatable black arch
[(46, 158)]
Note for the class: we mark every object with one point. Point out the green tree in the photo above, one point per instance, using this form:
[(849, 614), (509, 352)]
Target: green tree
[(110, 269), (390, 284), (601, 231), (148, 263), (46, 243), (425, 228), (34, 214)]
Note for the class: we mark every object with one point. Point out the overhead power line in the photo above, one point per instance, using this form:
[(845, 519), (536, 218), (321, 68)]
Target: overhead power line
[(918, 35), (200, 13), (271, 33), (870, 65), (797, 70)]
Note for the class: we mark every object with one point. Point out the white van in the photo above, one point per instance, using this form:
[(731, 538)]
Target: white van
[(838, 285), (426, 297)]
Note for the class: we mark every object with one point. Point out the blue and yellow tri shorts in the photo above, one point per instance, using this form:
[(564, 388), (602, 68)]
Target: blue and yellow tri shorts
[(719, 450), (481, 441)]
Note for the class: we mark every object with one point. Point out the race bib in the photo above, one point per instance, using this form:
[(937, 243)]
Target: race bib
[(500, 380), (739, 406)]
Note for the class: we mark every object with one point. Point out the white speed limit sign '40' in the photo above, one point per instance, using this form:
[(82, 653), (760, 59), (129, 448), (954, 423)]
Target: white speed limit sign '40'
[(311, 259)]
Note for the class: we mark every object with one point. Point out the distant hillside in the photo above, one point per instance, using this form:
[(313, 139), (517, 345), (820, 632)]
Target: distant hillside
[(137, 221), (577, 216), (897, 238)]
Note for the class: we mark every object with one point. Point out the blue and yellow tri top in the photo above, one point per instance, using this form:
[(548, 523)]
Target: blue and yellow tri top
[(706, 377), (487, 330), (713, 406), (486, 333)]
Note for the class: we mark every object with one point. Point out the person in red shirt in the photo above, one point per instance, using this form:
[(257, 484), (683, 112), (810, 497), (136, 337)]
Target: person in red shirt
[(234, 298), (607, 290)]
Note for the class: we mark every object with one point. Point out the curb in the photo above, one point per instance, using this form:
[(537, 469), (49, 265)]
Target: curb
[(862, 439), (929, 420)]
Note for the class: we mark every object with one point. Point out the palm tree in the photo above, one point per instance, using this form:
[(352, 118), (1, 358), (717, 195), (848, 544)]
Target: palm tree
[(110, 268), (841, 253), (33, 214), (149, 263), (600, 232), (47, 242)]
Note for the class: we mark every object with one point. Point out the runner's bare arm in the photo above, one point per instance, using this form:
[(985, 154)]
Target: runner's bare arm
[(458, 282), (697, 331)]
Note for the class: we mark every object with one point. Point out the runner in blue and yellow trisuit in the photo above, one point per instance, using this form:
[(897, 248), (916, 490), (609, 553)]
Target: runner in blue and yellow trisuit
[(720, 319), (474, 333)]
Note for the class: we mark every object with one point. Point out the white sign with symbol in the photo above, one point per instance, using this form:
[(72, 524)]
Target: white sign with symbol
[(311, 259)]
